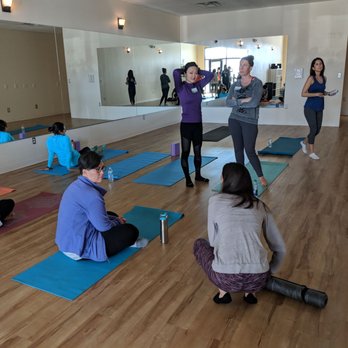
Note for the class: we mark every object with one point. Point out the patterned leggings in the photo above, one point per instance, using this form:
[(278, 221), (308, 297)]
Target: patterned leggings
[(247, 282)]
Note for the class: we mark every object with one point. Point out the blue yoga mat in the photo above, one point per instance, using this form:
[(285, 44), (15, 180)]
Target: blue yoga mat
[(147, 220), (56, 170), (133, 164), (271, 170), (283, 146), (111, 153), (66, 278), (170, 173), (29, 129)]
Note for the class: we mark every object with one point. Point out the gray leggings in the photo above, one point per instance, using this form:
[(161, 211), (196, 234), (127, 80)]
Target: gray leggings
[(314, 120), (244, 137)]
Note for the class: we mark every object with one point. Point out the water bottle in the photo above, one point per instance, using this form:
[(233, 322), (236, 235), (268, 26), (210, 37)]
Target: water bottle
[(164, 228), (110, 175), (255, 188), (23, 131), (269, 142)]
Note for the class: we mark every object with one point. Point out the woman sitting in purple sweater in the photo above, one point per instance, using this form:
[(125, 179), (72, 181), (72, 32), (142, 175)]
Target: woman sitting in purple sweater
[(85, 229), (191, 128)]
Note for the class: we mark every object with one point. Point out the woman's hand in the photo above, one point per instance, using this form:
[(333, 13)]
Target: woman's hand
[(121, 220)]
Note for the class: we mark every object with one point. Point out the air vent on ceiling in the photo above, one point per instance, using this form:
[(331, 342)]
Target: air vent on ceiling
[(209, 4)]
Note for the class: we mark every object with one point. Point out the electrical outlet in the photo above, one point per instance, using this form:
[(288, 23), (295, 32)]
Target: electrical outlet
[(36, 106), (8, 109), (33, 140)]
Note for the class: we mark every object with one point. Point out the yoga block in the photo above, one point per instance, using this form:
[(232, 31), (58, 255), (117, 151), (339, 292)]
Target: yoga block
[(175, 150)]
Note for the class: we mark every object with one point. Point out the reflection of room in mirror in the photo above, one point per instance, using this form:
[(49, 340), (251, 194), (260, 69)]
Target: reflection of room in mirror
[(270, 65), (32, 72)]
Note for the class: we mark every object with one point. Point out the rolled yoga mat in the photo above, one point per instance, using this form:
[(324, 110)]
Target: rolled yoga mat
[(297, 292)]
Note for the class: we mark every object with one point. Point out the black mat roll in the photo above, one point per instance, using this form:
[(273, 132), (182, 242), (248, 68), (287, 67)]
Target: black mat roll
[(217, 134), (297, 292)]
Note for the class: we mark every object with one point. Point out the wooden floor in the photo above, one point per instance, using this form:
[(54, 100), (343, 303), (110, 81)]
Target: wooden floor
[(160, 297)]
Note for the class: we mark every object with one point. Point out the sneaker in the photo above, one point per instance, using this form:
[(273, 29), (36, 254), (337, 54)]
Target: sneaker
[(314, 156), (304, 147), (140, 243), (222, 300)]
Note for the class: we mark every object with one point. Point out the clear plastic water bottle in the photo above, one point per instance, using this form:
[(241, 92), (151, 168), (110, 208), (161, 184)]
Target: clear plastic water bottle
[(164, 228), (110, 175), (255, 188)]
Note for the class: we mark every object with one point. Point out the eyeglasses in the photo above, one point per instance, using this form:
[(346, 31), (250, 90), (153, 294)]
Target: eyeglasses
[(100, 169)]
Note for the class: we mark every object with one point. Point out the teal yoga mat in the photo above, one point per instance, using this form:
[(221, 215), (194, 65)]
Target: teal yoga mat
[(133, 164), (29, 129), (170, 173), (283, 146), (66, 278), (271, 170), (56, 170)]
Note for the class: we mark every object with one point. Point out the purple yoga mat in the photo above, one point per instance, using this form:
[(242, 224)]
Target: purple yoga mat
[(31, 209)]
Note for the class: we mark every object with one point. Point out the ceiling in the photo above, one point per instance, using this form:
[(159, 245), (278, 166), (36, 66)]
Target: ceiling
[(194, 7)]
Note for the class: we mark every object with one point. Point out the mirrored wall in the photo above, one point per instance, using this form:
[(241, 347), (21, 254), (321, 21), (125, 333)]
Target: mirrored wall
[(79, 77)]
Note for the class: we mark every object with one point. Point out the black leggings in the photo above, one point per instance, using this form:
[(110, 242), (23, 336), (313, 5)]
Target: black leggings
[(164, 95), (244, 137), (6, 207), (119, 237), (191, 132)]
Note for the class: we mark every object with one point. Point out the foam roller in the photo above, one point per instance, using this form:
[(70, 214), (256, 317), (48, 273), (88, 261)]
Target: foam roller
[(297, 292)]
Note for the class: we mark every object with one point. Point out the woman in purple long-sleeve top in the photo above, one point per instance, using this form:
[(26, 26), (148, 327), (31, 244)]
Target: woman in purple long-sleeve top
[(191, 128)]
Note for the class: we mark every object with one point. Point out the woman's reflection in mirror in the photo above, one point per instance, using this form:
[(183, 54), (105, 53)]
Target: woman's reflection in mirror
[(5, 137), (131, 82)]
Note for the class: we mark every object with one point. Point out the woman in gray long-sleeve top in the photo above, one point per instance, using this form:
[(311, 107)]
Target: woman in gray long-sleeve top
[(244, 97), (234, 258)]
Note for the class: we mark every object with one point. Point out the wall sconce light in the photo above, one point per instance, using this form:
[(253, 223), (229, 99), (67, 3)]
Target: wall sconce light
[(272, 48), (160, 51), (258, 46), (128, 49), (120, 23), (240, 43), (6, 5)]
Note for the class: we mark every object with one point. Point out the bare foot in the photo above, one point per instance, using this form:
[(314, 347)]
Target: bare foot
[(263, 181)]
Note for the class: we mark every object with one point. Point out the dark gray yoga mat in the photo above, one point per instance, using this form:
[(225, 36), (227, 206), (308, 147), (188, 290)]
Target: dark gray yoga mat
[(217, 134), (297, 292)]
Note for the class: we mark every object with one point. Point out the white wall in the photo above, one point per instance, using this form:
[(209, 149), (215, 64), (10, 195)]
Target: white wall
[(99, 16), (317, 29)]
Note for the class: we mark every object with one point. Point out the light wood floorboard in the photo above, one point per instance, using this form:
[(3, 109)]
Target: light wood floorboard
[(160, 297)]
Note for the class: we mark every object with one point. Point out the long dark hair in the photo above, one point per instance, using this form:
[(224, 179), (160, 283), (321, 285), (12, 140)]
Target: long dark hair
[(130, 75), (3, 125), (312, 72), (89, 160), (237, 181), (56, 128)]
